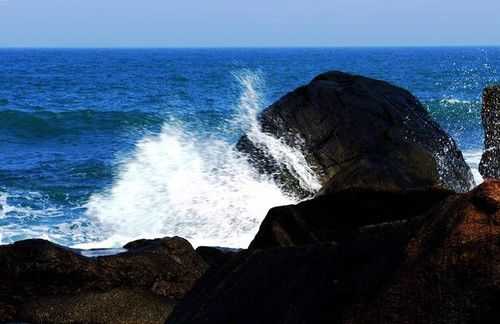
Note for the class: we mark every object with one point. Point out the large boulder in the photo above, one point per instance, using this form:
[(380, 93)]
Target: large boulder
[(340, 216), (41, 282), (444, 269), (490, 161), (359, 132)]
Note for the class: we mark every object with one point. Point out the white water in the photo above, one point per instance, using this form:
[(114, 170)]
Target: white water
[(13, 231), (473, 157), (201, 189)]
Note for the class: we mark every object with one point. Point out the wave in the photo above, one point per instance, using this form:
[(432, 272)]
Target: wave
[(197, 187), (454, 101), (461, 119), (44, 124), (455, 110), (28, 215)]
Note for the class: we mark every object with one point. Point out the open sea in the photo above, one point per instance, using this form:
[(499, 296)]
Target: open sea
[(99, 147)]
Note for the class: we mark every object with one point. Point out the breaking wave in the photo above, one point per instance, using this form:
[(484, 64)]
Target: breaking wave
[(200, 188)]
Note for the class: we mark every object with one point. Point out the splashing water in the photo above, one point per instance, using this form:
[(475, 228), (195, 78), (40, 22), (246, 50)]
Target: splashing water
[(201, 189), (292, 158), (473, 157)]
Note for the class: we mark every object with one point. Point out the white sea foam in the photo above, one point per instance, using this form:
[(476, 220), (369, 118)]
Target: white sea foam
[(291, 157), (12, 232), (201, 189), (454, 101), (473, 157), (22, 218)]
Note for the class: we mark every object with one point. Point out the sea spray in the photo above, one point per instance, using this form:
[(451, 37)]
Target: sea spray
[(290, 157), (473, 157), (196, 187)]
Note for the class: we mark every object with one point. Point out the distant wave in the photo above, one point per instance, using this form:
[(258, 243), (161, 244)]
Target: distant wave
[(49, 124), (460, 118), (454, 101)]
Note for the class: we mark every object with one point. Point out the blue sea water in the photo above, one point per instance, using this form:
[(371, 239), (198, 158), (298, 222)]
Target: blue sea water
[(102, 146)]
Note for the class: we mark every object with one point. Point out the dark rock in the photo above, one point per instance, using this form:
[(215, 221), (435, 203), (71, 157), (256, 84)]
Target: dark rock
[(283, 285), (445, 269), (490, 161), (339, 217), (360, 132), (216, 256), (451, 269), (41, 282)]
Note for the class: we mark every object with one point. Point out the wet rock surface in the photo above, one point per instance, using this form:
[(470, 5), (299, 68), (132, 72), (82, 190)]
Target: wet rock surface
[(360, 132), (42, 282), (490, 114)]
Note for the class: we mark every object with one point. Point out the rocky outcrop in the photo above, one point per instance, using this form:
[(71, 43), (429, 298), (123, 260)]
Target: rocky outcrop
[(490, 161), (340, 216), (441, 265), (360, 132), (41, 282)]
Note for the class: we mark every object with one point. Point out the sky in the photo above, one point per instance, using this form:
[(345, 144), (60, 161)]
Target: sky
[(249, 23)]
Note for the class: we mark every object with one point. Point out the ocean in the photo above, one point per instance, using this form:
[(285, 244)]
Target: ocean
[(99, 147)]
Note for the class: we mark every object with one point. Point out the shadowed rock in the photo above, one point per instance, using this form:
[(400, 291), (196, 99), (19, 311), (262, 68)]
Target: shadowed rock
[(216, 256), (360, 132), (441, 266), (490, 161), (339, 217), (41, 282)]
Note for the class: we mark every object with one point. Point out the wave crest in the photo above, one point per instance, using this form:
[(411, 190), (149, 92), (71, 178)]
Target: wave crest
[(196, 187)]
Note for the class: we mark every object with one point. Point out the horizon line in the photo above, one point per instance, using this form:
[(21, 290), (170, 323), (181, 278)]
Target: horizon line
[(252, 46)]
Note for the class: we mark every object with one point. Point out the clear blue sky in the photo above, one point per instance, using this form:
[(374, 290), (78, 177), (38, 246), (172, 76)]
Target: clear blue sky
[(186, 23)]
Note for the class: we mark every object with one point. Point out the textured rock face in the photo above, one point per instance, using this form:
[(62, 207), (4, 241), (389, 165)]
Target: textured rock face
[(451, 271), (440, 266), (360, 132), (41, 282), (490, 162)]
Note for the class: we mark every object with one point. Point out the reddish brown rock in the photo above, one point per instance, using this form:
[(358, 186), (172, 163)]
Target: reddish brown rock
[(41, 282), (451, 273)]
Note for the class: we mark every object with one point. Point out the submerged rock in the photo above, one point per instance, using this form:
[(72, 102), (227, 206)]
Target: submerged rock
[(41, 282), (490, 161), (440, 266), (360, 132)]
